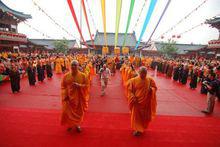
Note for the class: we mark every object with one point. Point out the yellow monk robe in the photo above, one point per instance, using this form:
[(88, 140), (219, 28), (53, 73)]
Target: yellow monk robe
[(131, 74), (74, 99), (122, 69), (142, 102), (126, 75), (131, 59), (92, 71), (86, 71), (5, 55), (62, 62), (58, 67), (67, 64)]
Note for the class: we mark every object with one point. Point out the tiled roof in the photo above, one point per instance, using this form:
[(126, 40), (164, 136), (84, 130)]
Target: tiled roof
[(20, 15), (100, 40), (182, 48), (49, 43)]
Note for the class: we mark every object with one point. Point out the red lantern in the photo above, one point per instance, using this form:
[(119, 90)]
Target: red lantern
[(179, 36)]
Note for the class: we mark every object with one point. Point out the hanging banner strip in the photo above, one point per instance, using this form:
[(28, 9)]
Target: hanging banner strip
[(76, 21), (104, 20), (118, 16), (129, 20), (147, 19), (87, 22), (164, 11)]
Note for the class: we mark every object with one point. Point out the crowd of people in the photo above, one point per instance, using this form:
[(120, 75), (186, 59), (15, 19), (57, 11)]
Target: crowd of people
[(194, 71), (140, 89), (188, 71)]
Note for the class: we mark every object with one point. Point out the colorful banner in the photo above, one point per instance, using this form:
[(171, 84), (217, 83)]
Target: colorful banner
[(165, 9), (129, 20), (87, 22), (76, 21), (147, 19), (104, 20), (117, 22)]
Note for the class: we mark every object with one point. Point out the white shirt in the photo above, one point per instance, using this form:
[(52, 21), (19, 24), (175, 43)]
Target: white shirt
[(105, 73)]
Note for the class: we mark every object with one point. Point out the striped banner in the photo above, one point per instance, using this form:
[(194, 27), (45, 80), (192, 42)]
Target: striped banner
[(76, 21), (129, 20), (147, 20), (87, 22), (104, 20), (118, 16)]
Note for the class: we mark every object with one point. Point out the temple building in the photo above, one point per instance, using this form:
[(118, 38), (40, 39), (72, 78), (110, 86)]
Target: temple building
[(213, 48), (183, 50), (9, 19), (99, 42)]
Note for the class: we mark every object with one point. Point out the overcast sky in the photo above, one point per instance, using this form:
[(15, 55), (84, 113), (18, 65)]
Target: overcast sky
[(59, 10)]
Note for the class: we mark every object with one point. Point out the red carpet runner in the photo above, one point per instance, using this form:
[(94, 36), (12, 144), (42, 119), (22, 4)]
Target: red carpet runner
[(31, 118)]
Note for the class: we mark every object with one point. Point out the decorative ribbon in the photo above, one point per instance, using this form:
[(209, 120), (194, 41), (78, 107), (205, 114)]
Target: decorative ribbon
[(129, 20), (104, 20), (147, 19), (118, 16), (164, 11), (87, 22), (76, 21)]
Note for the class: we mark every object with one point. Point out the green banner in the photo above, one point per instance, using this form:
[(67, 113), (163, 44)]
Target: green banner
[(129, 20)]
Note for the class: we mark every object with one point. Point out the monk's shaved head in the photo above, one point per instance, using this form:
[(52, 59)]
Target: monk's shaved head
[(74, 63), (143, 72), (142, 69)]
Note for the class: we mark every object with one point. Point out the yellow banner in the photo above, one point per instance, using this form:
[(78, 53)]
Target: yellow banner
[(104, 20)]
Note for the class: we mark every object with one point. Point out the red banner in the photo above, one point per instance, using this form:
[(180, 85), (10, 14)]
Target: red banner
[(76, 21), (87, 22)]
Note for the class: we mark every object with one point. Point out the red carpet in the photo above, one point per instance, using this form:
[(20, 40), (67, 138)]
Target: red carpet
[(31, 118), (27, 128)]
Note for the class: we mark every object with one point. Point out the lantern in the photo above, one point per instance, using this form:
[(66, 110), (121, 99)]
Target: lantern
[(116, 50), (105, 50), (125, 50)]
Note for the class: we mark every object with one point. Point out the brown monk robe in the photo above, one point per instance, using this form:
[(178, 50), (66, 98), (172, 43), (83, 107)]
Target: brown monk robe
[(75, 96), (141, 100)]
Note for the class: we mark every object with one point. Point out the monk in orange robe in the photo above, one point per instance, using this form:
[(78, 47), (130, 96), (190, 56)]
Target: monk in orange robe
[(58, 67), (75, 96), (67, 64), (141, 93)]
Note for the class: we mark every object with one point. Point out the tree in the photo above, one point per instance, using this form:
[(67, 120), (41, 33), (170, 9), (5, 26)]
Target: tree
[(168, 49), (61, 46)]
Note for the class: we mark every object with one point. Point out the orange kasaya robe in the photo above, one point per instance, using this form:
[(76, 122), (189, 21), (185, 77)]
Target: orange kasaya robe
[(87, 73), (131, 74), (62, 62), (142, 102), (58, 68), (126, 75), (74, 99), (92, 71), (67, 64), (122, 69)]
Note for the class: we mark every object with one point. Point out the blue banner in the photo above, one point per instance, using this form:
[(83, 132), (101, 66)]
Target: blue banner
[(147, 19)]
